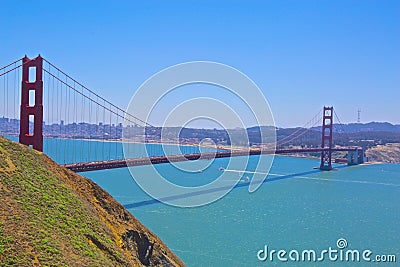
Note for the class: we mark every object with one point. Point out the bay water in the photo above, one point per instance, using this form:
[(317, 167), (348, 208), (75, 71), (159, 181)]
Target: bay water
[(297, 208)]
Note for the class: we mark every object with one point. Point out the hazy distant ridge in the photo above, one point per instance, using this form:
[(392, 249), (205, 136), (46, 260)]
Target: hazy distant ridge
[(364, 127)]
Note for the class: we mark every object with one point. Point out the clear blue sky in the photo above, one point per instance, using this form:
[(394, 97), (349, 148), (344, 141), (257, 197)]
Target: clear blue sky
[(302, 54)]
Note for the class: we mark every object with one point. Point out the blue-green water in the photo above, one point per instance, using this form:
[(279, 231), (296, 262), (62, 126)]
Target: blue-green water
[(297, 207), (308, 210)]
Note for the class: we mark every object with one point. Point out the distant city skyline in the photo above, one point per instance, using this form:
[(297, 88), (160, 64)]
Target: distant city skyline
[(302, 54), (120, 124)]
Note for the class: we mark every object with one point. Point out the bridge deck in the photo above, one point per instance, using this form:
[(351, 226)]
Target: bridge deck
[(122, 163)]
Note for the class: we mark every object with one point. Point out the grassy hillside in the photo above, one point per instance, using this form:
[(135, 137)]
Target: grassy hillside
[(50, 216)]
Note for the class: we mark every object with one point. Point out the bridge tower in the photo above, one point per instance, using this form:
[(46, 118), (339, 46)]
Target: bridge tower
[(32, 85), (327, 130)]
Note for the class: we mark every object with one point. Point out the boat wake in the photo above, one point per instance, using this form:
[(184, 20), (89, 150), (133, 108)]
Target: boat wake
[(313, 178)]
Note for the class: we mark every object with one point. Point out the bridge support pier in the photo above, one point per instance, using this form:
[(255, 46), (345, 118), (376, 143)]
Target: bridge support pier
[(35, 110), (355, 157), (326, 154)]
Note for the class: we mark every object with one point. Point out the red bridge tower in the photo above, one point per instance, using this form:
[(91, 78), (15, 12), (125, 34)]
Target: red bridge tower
[(327, 124), (34, 139)]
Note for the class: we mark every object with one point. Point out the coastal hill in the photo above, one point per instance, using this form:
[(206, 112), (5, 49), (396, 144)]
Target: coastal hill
[(50, 216), (389, 153)]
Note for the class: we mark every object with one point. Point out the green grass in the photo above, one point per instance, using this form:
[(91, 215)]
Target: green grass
[(52, 217), (53, 214)]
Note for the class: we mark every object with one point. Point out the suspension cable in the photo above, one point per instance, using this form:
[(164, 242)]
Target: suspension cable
[(301, 134), (302, 128), (90, 99), (108, 102), (341, 125), (11, 64)]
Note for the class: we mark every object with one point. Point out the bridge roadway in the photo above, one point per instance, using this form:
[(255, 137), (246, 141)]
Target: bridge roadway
[(123, 163)]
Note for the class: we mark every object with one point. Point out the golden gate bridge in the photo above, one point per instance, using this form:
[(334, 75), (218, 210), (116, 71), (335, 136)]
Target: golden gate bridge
[(43, 106)]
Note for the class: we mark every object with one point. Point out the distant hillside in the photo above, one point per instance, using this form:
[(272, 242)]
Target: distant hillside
[(389, 153), (50, 216), (364, 127), (347, 134)]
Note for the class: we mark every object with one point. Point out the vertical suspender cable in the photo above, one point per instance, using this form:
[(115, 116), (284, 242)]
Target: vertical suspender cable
[(4, 95), (81, 126), (55, 110), (50, 146), (19, 93), (109, 136), (14, 94), (66, 123), (61, 124), (116, 137), (6, 113), (75, 118), (89, 125), (104, 130), (97, 128)]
